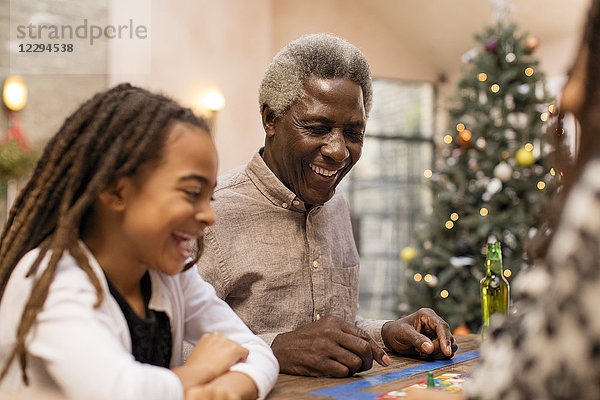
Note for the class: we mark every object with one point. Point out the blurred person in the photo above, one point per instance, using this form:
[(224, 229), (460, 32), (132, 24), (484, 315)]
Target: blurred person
[(551, 349), (282, 253), (96, 294)]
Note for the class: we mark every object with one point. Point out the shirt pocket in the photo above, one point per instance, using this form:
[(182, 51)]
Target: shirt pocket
[(344, 292)]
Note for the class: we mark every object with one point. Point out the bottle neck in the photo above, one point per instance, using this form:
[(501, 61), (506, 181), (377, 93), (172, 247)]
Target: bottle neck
[(494, 267), (493, 259)]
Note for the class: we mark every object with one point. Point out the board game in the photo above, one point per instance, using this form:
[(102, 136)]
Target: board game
[(444, 382)]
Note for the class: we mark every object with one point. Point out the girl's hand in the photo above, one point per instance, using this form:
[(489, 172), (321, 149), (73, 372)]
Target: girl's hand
[(210, 393), (212, 356), (217, 353)]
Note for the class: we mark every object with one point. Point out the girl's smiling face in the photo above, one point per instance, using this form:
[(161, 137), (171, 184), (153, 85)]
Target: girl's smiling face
[(166, 207)]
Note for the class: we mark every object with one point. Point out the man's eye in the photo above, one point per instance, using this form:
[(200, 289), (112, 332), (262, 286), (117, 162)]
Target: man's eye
[(318, 130), (355, 133)]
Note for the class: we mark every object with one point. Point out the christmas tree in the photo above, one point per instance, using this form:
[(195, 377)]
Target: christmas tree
[(492, 179)]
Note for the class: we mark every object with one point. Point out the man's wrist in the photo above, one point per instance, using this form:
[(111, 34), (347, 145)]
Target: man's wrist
[(385, 334)]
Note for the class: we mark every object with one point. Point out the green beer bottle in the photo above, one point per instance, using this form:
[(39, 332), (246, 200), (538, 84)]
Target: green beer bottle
[(495, 291)]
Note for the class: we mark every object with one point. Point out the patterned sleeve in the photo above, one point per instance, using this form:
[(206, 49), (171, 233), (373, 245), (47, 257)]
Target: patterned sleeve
[(551, 348)]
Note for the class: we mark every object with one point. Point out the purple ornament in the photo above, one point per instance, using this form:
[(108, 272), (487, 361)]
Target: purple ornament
[(491, 46)]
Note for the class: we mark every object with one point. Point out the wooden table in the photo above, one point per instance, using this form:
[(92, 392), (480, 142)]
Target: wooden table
[(369, 384)]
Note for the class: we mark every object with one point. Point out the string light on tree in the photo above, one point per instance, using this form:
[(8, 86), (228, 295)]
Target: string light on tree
[(541, 185), (431, 280)]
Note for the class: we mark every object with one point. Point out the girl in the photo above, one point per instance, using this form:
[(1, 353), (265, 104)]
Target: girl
[(96, 297)]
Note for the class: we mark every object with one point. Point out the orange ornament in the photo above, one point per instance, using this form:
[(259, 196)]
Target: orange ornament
[(464, 138), (461, 330), (531, 43)]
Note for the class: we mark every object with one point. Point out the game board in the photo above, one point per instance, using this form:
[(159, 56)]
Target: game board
[(354, 390), (444, 382)]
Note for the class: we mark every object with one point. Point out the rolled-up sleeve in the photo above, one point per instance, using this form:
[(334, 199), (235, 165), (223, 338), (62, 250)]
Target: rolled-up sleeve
[(205, 312)]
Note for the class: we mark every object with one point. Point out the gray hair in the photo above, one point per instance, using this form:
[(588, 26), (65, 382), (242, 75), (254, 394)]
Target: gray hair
[(319, 55)]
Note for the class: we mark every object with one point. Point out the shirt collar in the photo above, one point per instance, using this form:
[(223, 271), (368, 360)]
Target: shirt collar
[(270, 186)]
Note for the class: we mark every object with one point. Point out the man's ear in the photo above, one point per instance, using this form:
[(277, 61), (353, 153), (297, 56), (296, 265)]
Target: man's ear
[(113, 196), (268, 120)]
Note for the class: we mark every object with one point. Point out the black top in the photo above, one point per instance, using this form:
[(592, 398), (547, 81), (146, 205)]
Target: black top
[(151, 336)]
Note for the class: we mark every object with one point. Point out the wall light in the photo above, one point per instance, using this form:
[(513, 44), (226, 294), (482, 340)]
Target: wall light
[(213, 100), (210, 103), (14, 93)]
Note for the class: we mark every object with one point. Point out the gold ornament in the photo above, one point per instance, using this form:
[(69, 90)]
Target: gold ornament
[(524, 157), (408, 253)]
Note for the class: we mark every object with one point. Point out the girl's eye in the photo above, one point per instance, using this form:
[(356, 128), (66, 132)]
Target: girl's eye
[(192, 194)]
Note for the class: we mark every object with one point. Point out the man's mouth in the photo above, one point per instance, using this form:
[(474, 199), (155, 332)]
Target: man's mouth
[(322, 171)]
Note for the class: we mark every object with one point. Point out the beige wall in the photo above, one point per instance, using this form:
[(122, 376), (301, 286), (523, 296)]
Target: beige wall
[(388, 56), (200, 45), (197, 45)]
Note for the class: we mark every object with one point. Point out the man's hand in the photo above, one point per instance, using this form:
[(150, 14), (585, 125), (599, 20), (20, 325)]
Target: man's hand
[(422, 333), (327, 347)]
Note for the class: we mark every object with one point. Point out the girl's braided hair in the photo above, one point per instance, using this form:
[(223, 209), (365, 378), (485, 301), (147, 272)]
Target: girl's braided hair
[(108, 137)]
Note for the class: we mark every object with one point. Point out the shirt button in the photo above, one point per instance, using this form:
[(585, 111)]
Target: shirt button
[(296, 202), (315, 264), (284, 205)]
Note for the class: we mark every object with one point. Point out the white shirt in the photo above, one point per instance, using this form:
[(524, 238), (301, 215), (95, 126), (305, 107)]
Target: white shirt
[(85, 352)]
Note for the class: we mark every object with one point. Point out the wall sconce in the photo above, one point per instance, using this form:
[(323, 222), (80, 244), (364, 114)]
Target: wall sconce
[(14, 97), (211, 102), (14, 93)]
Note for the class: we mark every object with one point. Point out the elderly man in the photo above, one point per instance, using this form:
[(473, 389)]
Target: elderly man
[(282, 252)]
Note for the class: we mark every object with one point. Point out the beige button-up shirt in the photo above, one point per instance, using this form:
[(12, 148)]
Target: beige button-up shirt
[(276, 264)]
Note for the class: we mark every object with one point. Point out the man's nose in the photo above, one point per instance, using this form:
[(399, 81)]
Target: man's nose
[(335, 146)]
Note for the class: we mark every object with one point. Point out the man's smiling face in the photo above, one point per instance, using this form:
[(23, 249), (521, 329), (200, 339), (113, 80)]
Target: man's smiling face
[(316, 143)]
